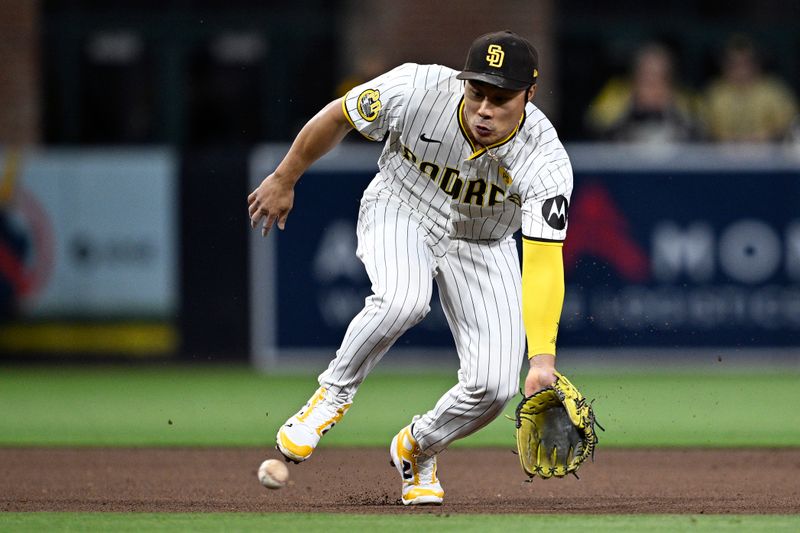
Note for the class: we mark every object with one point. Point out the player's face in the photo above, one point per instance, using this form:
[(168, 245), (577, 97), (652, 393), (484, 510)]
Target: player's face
[(491, 113)]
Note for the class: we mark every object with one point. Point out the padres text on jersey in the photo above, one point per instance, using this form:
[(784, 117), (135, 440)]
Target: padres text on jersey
[(476, 192)]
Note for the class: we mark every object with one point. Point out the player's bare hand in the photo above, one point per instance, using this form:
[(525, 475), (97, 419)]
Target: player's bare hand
[(270, 202), (541, 373)]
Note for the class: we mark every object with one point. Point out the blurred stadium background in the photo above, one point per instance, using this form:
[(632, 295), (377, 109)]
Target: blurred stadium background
[(132, 131)]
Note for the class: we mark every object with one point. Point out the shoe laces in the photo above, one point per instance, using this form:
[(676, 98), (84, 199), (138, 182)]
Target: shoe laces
[(321, 412), (426, 469)]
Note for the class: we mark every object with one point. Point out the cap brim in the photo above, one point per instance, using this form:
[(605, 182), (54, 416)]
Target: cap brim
[(497, 81)]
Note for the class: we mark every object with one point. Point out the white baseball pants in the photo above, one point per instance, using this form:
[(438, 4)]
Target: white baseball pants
[(480, 290)]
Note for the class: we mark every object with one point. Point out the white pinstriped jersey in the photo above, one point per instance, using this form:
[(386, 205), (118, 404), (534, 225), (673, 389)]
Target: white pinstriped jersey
[(429, 162)]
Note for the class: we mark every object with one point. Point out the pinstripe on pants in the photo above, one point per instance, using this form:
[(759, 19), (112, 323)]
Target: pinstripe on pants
[(480, 289)]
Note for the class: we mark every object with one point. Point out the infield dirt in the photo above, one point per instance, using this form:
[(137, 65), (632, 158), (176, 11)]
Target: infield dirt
[(361, 481)]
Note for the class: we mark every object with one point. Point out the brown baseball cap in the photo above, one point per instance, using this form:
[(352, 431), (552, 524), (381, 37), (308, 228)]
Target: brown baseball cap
[(503, 59)]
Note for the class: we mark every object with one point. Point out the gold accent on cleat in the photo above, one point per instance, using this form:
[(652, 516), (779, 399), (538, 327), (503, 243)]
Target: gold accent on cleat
[(291, 450), (420, 495)]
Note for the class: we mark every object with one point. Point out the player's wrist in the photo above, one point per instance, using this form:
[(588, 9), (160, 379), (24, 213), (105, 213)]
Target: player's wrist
[(285, 178), (542, 372), (542, 359)]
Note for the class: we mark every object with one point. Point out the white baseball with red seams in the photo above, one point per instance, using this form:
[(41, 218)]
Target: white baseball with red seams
[(273, 474)]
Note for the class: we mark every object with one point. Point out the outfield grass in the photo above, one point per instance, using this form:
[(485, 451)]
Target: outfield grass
[(235, 406), (200, 522)]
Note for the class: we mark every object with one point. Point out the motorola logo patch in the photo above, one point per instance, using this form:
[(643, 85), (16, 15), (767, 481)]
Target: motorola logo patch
[(554, 212)]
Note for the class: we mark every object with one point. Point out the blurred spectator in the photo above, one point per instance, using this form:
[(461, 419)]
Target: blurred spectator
[(647, 107), (745, 104)]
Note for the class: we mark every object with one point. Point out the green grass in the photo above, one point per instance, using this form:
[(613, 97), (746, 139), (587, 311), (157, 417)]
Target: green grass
[(411, 521), (170, 406), (205, 406)]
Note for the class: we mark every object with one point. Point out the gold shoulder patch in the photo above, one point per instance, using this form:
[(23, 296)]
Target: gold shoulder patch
[(369, 104)]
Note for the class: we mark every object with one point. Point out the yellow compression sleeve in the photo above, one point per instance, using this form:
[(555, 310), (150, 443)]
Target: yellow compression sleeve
[(542, 294)]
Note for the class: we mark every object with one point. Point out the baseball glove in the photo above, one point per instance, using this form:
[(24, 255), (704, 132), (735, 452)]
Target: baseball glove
[(555, 430)]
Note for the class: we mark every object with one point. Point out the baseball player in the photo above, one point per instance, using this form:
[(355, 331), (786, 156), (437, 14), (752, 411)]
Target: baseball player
[(467, 161)]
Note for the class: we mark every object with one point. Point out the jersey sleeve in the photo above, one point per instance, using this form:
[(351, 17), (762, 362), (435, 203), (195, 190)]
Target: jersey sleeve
[(377, 106), (545, 205)]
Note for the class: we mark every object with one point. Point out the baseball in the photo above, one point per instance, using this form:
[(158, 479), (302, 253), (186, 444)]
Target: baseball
[(273, 474)]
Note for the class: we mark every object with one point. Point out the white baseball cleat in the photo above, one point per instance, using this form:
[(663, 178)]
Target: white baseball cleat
[(299, 435), (420, 484)]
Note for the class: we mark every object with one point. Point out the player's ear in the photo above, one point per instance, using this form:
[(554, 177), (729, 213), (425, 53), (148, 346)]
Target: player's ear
[(530, 91)]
